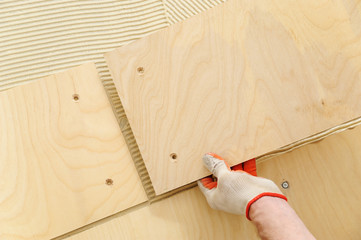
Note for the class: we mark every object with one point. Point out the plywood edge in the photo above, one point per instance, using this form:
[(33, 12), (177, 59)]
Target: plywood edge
[(277, 130), (322, 209)]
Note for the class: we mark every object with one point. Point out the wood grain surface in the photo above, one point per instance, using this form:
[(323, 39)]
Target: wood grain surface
[(60, 145), (242, 79), (324, 183), (183, 216), (323, 188)]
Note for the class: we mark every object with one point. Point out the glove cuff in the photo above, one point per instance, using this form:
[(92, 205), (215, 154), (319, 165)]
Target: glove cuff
[(270, 194)]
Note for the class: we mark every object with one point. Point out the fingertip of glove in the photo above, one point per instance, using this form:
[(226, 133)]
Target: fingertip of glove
[(212, 159), (210, 154), (208, 161)]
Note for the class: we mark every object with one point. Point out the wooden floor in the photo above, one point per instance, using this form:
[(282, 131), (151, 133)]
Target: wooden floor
[(324, 190)]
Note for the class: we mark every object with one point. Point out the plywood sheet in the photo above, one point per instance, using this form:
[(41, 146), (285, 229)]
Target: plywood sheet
[(323, 179), (183, 216), (242, 79), (324, 183), (59, 143)]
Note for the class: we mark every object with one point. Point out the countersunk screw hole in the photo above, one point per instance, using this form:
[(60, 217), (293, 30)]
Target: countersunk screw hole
[(140, 70), (76, 98), (109, 182), (173, 157)]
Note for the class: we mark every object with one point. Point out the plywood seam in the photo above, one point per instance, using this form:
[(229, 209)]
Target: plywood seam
[(128, 210), (107, 80), (312, 139), (70, 166), (102, 221), (124, 125)]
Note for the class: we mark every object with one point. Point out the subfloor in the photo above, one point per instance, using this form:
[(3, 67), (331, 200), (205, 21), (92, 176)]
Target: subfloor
[(39, 38)]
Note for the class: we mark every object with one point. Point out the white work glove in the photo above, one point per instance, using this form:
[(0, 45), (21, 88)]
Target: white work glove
[(235, 190)]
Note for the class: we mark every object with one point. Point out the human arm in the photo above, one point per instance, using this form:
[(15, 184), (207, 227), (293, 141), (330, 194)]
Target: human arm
[(262, 202), (275, 219)]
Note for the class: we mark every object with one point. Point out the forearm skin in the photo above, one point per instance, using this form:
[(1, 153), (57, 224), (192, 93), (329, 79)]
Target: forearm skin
[(276, 220)]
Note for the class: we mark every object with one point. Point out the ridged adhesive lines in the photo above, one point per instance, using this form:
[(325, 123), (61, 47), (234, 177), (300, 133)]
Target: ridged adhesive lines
[(178, 10), (39, 38)]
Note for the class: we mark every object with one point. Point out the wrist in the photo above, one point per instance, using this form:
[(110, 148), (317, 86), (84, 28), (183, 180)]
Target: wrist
[(274, 218), (266, 205), (262, 201)]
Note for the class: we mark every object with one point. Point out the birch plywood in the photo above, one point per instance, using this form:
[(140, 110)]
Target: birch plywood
[(183, 216), (242, 79), (324, 181), (323, 178), (56, 154)]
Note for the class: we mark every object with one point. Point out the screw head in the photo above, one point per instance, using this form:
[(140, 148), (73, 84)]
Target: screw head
[(285, 185)]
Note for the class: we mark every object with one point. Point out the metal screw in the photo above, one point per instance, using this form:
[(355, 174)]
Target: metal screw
[(285, 185)]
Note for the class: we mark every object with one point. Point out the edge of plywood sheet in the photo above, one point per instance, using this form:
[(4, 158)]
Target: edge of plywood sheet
[(323, 209), (180, 86), (129, 137), (93, 229), (59, 169)]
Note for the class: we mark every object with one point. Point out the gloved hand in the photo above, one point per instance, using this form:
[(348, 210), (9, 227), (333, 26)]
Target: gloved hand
[(235, 190)]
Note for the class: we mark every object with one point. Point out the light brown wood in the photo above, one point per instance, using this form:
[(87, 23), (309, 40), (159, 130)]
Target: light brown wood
[(183, 216), (57, 151), (243, 79), (324, 189), (324, 181)]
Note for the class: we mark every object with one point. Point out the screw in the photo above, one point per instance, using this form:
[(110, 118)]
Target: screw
[(285, 185)]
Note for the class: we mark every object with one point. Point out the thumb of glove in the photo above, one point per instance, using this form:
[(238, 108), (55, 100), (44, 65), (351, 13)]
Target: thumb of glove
[(216, 164)]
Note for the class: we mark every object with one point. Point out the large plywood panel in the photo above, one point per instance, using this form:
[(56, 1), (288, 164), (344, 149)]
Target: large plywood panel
[(323, 179), (242, 79), (59, 143)]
